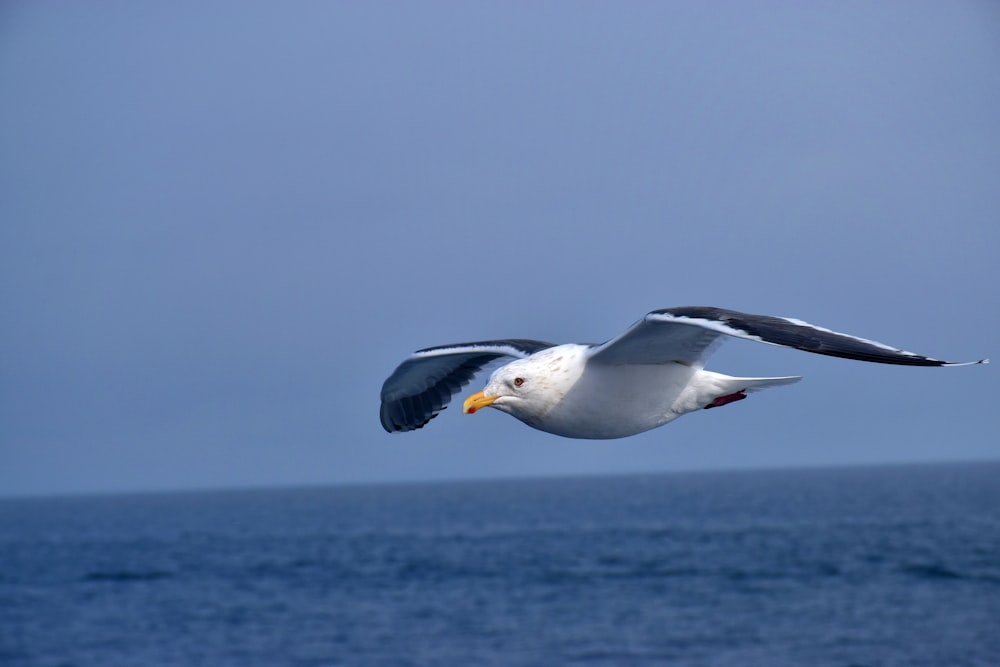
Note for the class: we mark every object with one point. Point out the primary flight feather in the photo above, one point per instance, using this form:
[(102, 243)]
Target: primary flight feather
[(649, 375)]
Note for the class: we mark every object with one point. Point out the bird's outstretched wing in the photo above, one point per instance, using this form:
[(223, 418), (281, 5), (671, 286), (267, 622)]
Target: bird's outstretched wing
[(423, 385), (690, 334)]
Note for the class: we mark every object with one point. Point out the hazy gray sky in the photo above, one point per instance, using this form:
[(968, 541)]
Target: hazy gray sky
[(223, 224)]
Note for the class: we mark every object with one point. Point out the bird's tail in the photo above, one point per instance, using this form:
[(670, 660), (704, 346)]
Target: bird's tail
[(756, 384)]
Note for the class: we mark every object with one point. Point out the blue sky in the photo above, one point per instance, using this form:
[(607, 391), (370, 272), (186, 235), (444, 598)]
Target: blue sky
[(223, 224)]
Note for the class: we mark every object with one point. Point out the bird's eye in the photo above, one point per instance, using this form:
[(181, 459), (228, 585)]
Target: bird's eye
[(518, 382)]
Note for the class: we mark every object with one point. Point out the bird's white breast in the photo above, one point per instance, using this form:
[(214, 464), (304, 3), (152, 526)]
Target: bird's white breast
[(614, 401)]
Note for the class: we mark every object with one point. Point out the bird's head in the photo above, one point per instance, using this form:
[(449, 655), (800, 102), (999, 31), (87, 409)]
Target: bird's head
[(528, 388)]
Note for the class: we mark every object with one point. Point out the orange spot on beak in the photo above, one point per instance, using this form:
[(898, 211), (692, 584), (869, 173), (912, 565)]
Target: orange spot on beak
[(477, 401)]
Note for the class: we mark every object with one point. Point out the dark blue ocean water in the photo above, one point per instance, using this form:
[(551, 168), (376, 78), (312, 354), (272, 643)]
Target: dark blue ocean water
[(847, 567)]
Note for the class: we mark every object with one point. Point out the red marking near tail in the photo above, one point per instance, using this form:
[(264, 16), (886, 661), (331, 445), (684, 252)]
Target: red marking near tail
[(727, 399)]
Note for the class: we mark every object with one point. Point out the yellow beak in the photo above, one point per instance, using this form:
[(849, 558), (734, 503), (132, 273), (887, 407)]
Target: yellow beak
[(477, 401)]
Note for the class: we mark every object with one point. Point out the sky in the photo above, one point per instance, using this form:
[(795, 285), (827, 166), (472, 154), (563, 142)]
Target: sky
[(223, 224)]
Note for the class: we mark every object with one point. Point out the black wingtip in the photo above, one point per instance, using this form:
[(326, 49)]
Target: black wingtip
[(966, 363), (392, 426)]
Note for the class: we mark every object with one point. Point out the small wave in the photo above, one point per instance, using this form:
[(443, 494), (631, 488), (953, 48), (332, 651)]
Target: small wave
[(931, 571), (127, 575), (938, 572)]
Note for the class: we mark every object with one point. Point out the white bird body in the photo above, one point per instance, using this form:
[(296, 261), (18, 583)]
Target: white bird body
[(648, 376), (559, 398)]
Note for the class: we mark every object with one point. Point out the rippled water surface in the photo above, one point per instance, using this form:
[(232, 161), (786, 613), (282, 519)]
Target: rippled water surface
[(848, 567)]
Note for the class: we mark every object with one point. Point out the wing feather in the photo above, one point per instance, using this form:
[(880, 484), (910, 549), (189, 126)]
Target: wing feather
[(425, 383), (690, 334)]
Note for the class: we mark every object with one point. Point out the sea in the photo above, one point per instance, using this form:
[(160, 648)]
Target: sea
[(846, 567)]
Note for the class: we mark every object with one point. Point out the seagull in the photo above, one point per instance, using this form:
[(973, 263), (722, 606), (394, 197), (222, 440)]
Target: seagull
[(648, 376)]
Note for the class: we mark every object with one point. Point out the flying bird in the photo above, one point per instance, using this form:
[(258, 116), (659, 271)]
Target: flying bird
[(648, 376)]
